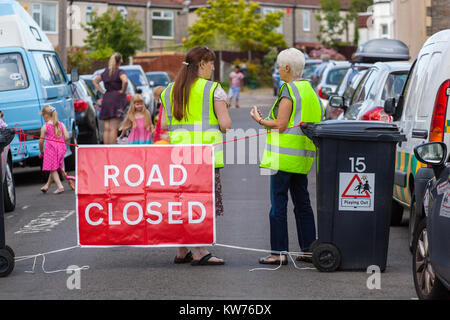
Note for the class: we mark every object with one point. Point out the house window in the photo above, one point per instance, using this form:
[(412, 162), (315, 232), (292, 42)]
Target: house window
[(384, 29), (267, 10), (162, 24), (123, 11), (306, 20), (45, 16), (89, 14)]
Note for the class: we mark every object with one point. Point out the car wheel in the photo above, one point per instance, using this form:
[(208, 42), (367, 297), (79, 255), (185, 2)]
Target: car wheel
[(427, 284), (396, 214), (9, 188), (70, 160)]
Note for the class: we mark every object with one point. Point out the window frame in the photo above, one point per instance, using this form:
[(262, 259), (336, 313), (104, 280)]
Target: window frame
[(266, 10), (40, 12), (162, 18), (24, 69)]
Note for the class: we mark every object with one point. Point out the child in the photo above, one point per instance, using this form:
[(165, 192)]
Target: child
[(161, 136), (55, 147), (139, 122)]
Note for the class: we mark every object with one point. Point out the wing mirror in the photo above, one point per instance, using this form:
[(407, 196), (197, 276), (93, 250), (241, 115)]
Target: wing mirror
[(390, 106), (433, 154), (152, 84), (337, 102)]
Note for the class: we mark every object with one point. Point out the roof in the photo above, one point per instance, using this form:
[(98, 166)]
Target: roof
[(363, 20), (394, 66), (19, 29), (195, 3)]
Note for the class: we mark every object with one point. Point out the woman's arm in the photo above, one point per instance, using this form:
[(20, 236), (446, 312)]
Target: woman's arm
[(66, 133), (41, 140), (124, 79), (221, 111), (284, 113), (96, 83)]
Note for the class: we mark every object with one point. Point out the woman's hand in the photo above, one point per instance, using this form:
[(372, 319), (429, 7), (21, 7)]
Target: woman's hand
[(256, 114)]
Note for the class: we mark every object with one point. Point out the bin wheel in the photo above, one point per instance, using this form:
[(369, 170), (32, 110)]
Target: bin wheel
[(326, 257), (10, 250), (313, 245), (6, 262)]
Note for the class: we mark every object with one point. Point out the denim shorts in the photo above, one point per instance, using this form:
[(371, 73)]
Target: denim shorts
[(234, 92)]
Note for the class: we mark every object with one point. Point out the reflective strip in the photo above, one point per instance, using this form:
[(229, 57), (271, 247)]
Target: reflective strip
[(168, 104), (218, 147), (289, 151), (298, 104), (294, 130)]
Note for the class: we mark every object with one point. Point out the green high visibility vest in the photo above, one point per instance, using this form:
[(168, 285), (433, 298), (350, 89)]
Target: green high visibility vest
[(290, 150), (201, 125)]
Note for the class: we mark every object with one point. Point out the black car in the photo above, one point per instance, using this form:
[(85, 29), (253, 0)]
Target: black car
[(431, 242), (85, 113), (159, 78)]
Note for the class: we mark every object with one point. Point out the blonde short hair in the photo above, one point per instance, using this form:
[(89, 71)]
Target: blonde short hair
[(293, 58)]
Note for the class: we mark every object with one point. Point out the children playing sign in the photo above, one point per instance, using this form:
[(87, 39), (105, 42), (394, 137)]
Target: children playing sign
[(145, 195)]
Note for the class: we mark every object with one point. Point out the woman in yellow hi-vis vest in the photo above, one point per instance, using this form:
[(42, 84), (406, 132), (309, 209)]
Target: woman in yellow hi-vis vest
[(195, 110), (290, 154)]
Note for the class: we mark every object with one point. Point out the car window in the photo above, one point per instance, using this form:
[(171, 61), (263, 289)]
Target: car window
[(76, 91), (308, 72), (43, 68), (365, 88), (12, 72), (335, 76), (348, 94), (394, 85), (159, 79), (137, 77), (55, 69), (359, 88), (408, 111)]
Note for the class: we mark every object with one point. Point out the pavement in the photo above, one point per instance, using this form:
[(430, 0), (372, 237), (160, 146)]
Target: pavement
[(46, 222)]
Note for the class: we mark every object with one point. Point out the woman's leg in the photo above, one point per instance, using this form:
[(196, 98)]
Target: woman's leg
[(48, 183), (106, 129), (114, 130), (182, 252)]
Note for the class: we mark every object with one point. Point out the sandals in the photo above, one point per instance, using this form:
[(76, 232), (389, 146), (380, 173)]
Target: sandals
[(59, 190), (304, 259), (204, 261), (44, 189), (269, 260), (187, 258)]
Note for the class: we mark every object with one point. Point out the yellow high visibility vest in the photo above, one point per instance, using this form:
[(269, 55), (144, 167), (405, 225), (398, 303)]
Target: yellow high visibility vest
[(201, 125), (290, 150)]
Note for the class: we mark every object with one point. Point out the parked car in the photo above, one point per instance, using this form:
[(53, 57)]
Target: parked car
[(431, 255), (158, 78), (31, 76), (351, 73), (383, 80), (85, 113), (330, 79), (8, 182), (136, 74), (421, 111), (332, 113)]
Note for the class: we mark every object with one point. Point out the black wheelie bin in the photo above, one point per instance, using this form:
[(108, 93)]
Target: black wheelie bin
[(6, 253), (355, 178)]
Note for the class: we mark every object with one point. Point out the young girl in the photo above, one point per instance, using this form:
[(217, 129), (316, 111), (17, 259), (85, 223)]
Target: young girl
[(55, 148), (139, 122)]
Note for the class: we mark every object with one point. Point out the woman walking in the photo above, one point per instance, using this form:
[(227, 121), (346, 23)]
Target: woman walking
[(196, 108), (114, 102)]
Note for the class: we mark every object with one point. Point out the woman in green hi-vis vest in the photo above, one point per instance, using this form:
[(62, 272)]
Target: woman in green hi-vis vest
[(196, 109), (290, 154)]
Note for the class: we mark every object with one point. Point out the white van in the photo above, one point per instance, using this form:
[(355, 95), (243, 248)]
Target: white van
[(423, 115)]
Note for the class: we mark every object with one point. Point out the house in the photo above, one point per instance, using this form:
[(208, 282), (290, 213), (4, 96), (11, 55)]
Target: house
[(165, 22)]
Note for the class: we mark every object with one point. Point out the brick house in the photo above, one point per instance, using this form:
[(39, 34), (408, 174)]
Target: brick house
[(165, 22)]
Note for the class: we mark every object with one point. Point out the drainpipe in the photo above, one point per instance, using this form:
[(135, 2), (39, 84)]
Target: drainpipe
[(147, 26)]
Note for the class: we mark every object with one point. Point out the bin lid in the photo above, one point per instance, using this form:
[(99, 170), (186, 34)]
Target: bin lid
[(383, 49), (354, 130), (6, 136)]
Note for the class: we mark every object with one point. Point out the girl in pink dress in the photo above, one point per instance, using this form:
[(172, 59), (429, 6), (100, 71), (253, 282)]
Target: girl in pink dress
[(139, 122), (54, 133)]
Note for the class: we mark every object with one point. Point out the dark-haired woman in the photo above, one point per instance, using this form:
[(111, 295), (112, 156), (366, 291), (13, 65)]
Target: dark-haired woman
[(196, 107), (114, 102)]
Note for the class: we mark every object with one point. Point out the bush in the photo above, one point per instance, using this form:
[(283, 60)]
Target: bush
[(77, 57), (334, 55)]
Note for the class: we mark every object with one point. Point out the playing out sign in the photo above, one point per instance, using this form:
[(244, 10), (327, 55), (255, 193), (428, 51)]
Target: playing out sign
[(145, 196)]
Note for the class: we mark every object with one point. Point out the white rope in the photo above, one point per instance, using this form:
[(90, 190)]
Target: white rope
[(290, 254), (35, 256)]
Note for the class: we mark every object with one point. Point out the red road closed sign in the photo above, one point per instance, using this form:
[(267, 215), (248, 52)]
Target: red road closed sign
[(156, 195)]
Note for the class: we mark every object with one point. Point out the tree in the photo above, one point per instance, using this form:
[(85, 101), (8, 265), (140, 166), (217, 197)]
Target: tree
[(111, 32), (235, 25), (333, 24)]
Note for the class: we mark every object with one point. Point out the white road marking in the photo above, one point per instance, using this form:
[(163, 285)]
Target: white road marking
[(25, 207), (46, 221)]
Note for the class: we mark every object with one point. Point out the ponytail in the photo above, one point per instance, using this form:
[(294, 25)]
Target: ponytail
[(114, 62), (51, 111), (185, 79)]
